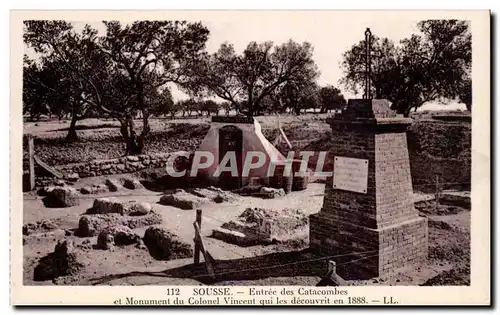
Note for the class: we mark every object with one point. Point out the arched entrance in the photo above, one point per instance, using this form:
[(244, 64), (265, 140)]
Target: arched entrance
[(231, 140)]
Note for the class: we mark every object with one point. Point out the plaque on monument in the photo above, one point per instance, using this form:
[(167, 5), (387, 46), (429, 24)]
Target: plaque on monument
[(350, 174)]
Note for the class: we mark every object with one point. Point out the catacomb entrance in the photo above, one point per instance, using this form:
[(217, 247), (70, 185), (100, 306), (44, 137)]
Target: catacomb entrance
[(231, 140)]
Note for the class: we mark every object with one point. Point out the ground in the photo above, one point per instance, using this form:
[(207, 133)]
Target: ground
[(134, 266), (449, 225)]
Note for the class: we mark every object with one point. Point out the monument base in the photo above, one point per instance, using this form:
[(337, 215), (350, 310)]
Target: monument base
[(364, 253)]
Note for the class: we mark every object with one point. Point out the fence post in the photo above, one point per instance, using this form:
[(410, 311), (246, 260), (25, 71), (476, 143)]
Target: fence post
[(332, 267), (197, 243), (31, 152)]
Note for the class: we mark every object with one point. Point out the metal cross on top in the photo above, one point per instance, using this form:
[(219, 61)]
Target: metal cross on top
[(368, 64), (367, 57)]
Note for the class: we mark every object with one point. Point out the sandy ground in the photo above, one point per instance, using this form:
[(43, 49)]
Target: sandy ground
[(129, 259), (133, 266)]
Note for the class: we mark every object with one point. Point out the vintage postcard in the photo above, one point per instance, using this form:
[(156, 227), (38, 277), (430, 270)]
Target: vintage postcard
[(250, 158)]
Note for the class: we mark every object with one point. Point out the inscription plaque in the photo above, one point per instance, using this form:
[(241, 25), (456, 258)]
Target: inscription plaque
[(350, 174)]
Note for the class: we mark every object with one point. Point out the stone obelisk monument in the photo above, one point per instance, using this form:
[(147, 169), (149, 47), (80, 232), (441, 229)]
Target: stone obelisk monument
[(368, 215), (368, 220)]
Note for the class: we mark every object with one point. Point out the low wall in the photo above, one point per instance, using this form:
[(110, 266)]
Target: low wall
[(128, 164), (452, 173)]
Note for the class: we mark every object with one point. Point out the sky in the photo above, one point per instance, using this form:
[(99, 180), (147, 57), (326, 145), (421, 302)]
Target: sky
[(330, 33)]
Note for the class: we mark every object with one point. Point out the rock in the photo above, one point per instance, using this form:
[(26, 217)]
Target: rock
[(152, 218), (91, 225), (132, 158), (141, 246), (177, 201), (138, 208), (216, 189), (218, 199), (164, 245), (214, 194), (105, 167), (63, 261), (99, 188), (132, 183), (118, 235), (248, 190), (232, 237), (59, 183), (38, 227), (67, 233), (270, 193), (107, 205), (113, 205), (94, 189), (28, 228), (86, 190), (146, 162), (44, 191), (73, 177), (183, 200), (62, 197), (113, 185), (120, 167)]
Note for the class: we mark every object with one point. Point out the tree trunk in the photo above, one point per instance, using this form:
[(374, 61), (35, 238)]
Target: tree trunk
[(127, 129), (406, 112), (141, 142), (250, 110), (250, 103), (72, 136), (297, 110)]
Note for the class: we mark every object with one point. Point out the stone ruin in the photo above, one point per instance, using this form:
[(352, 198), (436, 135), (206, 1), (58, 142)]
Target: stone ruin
[(164, 245), (61, 195), (107, 212), (193, 198), (258, 226), (64, 261)]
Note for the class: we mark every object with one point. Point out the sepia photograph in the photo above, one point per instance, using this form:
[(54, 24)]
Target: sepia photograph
[(315, 150)]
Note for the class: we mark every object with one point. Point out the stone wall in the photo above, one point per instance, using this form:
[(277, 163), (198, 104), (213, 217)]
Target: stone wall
[(453, 173), (128, 164)]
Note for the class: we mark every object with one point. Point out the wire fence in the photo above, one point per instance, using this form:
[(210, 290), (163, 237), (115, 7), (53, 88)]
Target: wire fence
[(304, 261)]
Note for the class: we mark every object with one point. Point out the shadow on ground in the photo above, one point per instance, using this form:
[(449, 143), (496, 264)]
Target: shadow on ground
[(286, 264), (88, 127)]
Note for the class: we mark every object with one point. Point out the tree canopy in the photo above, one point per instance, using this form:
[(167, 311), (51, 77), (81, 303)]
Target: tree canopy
[(120, 71), (248, 78), (429, 66)]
